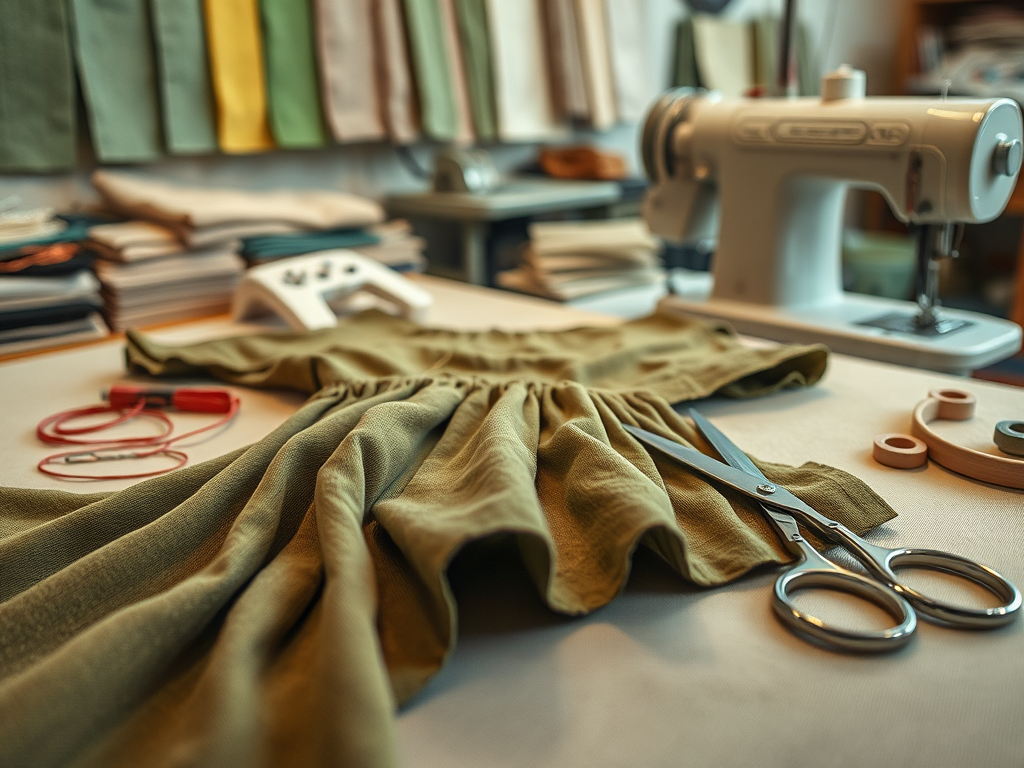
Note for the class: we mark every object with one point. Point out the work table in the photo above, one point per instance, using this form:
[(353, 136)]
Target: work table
[(668, 674)]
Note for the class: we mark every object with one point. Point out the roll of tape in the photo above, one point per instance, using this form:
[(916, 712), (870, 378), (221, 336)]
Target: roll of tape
[(899, 451), (1009, 437)]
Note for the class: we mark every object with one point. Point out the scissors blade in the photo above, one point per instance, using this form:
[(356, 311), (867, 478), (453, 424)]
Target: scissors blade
[(726, 448), (754, 486)]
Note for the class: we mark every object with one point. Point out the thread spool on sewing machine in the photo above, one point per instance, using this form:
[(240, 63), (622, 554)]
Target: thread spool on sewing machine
[(767, 179)]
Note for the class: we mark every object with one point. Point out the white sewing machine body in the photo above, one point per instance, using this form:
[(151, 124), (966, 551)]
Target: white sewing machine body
[(771, 176)]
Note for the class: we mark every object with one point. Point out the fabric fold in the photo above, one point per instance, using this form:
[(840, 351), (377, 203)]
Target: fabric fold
[(235, 47), (189, 121), (37, 88), (432, 68), (292, 84), (118, 78)]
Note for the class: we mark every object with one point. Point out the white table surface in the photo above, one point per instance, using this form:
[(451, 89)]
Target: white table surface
[(668, 675)]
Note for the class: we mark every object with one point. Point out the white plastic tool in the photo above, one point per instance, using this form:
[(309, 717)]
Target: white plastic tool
[(767, 178), (302, 289)]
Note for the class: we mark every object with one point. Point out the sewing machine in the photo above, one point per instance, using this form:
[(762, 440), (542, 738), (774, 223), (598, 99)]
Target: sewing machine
[(768, 178)]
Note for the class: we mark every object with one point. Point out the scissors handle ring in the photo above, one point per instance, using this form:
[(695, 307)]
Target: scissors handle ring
[(947, 613), (805, 576)]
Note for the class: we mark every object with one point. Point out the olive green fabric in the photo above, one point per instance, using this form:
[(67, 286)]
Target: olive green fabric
[(272, 607), (189, 116), (37, 89), (432, 69), (293, 91), (114, 48), (475, 40)]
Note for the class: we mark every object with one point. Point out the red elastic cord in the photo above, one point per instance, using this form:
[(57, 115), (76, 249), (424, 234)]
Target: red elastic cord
[(53, 430)]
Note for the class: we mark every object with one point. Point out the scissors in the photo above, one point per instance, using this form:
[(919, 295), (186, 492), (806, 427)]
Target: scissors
[(880, 585)]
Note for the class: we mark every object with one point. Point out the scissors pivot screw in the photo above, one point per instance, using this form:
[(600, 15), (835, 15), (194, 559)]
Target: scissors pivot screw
[(766, 488)]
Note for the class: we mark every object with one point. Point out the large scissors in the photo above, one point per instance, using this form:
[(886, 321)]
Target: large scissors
[(880, 586)]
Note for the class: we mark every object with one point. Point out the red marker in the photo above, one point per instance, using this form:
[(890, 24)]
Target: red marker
[(197, 400)]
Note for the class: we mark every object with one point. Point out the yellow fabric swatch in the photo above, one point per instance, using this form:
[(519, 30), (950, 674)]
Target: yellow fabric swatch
[(236, 67)]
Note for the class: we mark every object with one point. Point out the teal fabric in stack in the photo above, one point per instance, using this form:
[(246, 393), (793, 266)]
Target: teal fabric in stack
[(37, 91), (114, 48), (293, 90), (271, 247), (186, 94)]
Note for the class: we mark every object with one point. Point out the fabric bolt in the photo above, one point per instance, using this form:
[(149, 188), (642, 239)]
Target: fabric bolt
[(460, 85), (37, 88), (272, 606), (395, 79), (189, 119), (432, 69), (592, 30), (293, 89), (203, 207), (118, 78), (235, 46), (346, 46), (566, 60), (628, 47), (522, 88), (475, 43)]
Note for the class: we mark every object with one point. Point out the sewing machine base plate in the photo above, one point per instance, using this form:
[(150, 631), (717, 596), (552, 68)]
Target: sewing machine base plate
[(980, 340)]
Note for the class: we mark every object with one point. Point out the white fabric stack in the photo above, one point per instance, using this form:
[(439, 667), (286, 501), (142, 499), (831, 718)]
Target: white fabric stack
[(571, 259)]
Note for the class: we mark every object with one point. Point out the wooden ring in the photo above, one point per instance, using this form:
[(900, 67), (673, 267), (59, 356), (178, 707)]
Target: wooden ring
[(954, 404), (899, 451), (987, 467), (1009, 437)]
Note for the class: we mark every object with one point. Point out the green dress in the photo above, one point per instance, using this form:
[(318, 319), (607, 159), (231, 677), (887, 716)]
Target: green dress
[(274, 606)]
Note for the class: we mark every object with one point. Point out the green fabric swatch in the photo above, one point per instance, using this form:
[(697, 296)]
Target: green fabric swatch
[(685, 74), (185, 90), (432, 69), (37, 87), (476, 53), (293, 92), (114, 47), (279, 246)]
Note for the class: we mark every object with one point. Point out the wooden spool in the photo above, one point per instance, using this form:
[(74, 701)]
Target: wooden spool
[(956, 405)]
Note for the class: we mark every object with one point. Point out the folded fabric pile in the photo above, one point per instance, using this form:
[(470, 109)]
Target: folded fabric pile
[(568, 260), (48, 296), (178, 258)]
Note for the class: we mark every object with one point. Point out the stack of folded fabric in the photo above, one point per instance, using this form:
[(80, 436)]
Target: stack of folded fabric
[(391, 243), (48, 296), (177, 258), (567, 260)]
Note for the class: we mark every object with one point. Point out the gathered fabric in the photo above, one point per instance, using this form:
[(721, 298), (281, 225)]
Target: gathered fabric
[(274, 606)]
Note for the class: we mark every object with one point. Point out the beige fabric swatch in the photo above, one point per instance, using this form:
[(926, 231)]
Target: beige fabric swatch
[(460, 86), (346, 46), (569, 89), (629, 49), (522, 89), (725, 54), (597, 68), (197, 207), (397, 89)]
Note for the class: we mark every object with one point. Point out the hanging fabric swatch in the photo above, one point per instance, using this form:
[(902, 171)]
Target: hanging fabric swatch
[(348, 82), (236, 68), (37, 90), (568, 89), (725, 54), (476, 54), (432, 67), (187, 98), (597, 68), (460, 86), (522, 88), (293, 91), (628, 46), (684, 74), (115, 66), (397, 90)]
